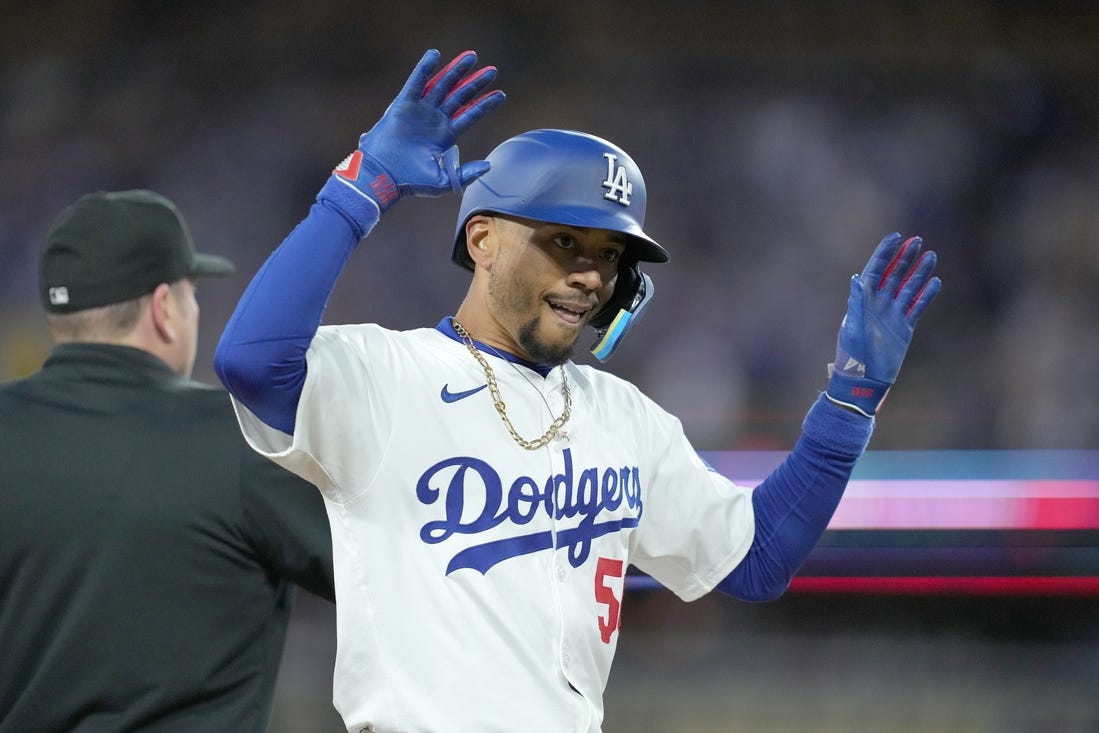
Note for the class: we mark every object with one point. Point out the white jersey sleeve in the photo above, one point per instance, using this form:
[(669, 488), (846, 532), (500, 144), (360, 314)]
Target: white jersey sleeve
[(344, 412), (696, 525)]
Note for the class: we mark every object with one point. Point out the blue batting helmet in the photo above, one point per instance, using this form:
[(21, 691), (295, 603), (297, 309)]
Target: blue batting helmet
[(562, 177)]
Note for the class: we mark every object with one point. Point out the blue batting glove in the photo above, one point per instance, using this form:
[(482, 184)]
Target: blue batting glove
[(886, 300), (411, 151)]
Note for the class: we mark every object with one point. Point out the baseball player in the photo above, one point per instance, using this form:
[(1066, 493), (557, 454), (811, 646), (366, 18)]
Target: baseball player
[(487, 494)]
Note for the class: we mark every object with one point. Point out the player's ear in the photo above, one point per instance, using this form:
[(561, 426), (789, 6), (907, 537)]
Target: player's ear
[(481, 239), (164, 312)]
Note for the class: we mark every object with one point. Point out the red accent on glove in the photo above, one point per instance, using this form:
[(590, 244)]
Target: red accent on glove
[(349, 168)]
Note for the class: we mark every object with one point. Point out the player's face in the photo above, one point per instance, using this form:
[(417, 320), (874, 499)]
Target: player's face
[(548, 280)]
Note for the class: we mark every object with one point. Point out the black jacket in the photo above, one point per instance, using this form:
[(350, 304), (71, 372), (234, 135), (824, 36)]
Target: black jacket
[(146, 552)]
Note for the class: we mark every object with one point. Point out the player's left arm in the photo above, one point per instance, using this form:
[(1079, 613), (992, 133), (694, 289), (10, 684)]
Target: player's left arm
[(795, 503)]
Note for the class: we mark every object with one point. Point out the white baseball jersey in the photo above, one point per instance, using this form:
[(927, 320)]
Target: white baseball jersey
[(479, 584)]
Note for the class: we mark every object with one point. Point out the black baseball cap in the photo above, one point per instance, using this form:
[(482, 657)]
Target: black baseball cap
[(112, 246)]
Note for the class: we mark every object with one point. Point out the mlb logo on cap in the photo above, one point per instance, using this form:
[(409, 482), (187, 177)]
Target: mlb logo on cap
[(59, 296), (108, 247)]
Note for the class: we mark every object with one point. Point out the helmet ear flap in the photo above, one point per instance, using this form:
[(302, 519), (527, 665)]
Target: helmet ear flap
[(631, 295), (629, 277)]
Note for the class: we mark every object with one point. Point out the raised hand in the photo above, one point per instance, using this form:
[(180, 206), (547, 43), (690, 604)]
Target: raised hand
[(412, 151), (886, 301)]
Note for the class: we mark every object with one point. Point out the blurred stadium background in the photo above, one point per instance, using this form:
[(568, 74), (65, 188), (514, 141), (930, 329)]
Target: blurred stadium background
[(780, 141)]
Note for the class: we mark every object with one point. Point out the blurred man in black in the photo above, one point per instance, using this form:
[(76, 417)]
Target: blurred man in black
[(147, 554)]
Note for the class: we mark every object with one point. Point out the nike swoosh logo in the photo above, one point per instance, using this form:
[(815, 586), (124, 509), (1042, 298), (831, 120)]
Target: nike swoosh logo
[(449, 396)]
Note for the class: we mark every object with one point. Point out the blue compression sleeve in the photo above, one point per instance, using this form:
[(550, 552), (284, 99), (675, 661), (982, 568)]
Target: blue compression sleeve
[(260, 357), (795, 503)]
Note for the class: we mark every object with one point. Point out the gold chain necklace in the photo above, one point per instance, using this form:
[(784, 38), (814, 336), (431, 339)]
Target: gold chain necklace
[(501, 408)]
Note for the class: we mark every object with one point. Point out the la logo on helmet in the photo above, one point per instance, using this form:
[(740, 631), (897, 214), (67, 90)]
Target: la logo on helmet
[(618, 188)]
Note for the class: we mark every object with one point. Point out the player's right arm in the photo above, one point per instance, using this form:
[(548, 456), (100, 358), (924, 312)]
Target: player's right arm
[(411, 151)]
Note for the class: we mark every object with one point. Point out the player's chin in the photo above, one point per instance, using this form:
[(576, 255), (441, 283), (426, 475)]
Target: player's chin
[(549, 343)]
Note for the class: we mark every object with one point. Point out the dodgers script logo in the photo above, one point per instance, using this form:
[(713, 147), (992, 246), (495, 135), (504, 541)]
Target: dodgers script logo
[(474, 483)]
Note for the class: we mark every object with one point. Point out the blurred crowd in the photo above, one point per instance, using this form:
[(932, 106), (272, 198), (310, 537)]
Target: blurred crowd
[(780, 142)]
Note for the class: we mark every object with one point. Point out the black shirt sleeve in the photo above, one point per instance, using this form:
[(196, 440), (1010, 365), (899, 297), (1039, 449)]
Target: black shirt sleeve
[(287, 523)]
